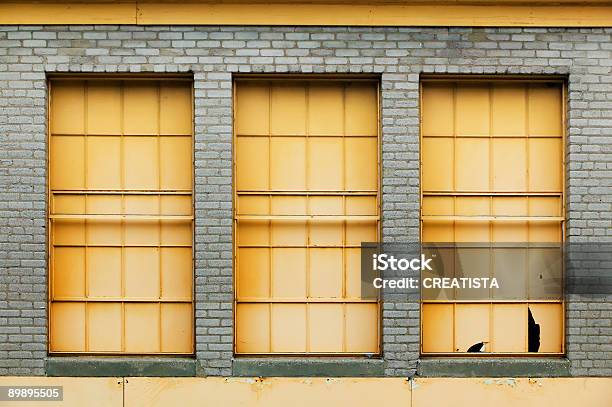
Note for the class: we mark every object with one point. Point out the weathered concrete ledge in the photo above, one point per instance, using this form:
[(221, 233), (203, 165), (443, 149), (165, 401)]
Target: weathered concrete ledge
[(101, 366), (497, 367), (315, 367)]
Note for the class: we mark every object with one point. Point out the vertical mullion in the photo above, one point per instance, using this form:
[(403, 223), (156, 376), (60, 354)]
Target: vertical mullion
[(269, 222), (122, 224), (159, 227), (85, 144), (308, 224)]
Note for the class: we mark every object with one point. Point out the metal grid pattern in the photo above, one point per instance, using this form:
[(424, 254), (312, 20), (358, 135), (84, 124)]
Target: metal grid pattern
[(120, 214), (492, 171), (306, 165)]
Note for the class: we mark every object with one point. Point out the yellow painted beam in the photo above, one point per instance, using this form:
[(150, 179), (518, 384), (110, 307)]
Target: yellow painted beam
[(68, 13), (507, 13)]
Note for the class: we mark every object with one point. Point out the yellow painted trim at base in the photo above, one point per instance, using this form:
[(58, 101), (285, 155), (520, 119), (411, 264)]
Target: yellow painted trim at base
[(304, 13), (309, 391)]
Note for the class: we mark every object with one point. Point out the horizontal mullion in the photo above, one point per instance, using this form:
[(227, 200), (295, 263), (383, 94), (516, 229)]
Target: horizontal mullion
[(122, 192), (152, 218), (443, 218), (122, 300), (493, 301), (493, 136), (493, 194), (161, 246), (310, 135), (364, 355), (347, 218), (367, 192), (251, 300), (298, 247)]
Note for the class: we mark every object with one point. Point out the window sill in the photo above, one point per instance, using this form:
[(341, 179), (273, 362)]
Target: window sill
[(493, 367), (120, 366), (311, 367)]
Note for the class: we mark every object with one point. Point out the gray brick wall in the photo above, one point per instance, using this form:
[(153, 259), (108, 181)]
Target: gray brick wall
[(213, 54)]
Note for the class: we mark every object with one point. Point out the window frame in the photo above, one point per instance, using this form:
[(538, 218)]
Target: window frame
[(562, 81), (117, 77)]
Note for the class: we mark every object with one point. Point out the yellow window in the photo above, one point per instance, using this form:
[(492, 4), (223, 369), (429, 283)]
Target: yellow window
[(306, 196), (120, 214), (492, 173)]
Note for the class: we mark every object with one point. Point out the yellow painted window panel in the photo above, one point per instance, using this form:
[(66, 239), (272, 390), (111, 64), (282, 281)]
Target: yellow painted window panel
[(288, 328), (550, 319), (508, 108), (545, 110), (253, 233), (472, 110), (175, 110), (176, 273), (361, 327), (288, 233), (437, 328), (104, 327), (69, 272), (545, 274), (326, 233), (325, 170), (509, 231), (176, 328), (288, 114), (325, 275), (141, 171), (288, 163), (103, 108), (176, 233), (326, 110), (103, 162), (509, 328), (288, 273), (358, 232), (142, 327), (253, 273), (352, 272), (544, 165), (252, 158), (103, 232), (509, 160), (361, 164), (67, 327), (325, 327), (471, 164), (141, 205), (69, 232), (472, 263), (68, 113), (471, 326), (175, 169), (509, 265), (66, 204), (252, 110), (104, 272), (141, 272), (437, 164), (141, 108), (67, 162), (176, 205), (361, 109), (142, 232), (361, 205), (288, 205), (326, 205), (253, 328), (438, 111), (104, 204)]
